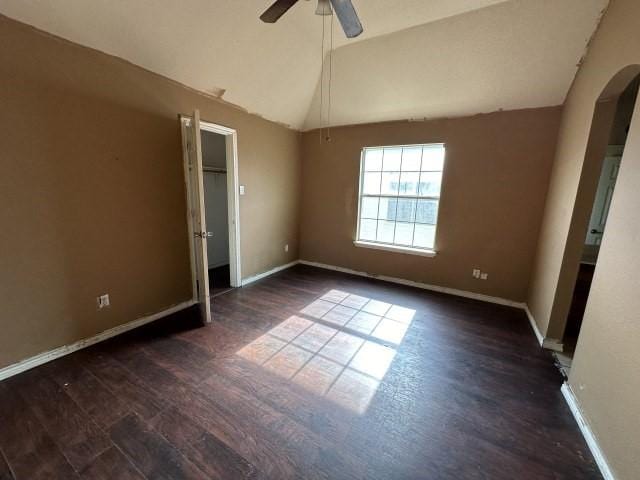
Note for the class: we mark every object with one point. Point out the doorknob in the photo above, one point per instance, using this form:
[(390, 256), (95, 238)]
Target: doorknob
[(595, 232)]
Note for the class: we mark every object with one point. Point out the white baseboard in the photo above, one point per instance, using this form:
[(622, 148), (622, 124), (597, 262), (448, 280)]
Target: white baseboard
[(45, 357), (534, 325), (587, 433), (255, 278), (548, 343), (424, 286), (553, 344)]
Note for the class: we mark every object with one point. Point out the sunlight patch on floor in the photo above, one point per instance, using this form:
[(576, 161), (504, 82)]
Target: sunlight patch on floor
[(340, 346)]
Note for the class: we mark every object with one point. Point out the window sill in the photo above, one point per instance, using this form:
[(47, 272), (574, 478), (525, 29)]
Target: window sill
[(394, 248)]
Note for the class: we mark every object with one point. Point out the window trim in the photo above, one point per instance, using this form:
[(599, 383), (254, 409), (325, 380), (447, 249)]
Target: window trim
[(392, 247), (389, 247)]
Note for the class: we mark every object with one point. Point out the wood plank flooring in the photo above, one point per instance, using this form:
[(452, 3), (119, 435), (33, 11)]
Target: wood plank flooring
[(308, 374)]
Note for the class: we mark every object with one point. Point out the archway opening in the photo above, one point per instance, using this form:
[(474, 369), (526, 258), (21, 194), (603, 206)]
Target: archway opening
[(605, 148)]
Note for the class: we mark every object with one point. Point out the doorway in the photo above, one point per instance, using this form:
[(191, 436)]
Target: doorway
[(601, 203), (214, 167), (211, 179)]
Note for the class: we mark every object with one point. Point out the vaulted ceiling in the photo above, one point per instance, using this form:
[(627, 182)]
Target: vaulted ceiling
[(416, 58)]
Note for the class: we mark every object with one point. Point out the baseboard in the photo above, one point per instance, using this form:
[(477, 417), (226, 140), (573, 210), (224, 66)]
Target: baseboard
[(548, 343), (587, 433), (45, 357), (424, 286), (553, 344), (255, 278), (534, 325)]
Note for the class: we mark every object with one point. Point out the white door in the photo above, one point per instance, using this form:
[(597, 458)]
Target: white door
[(602, 203), (197, 211)]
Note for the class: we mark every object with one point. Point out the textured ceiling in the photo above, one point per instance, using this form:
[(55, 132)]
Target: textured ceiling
[(447, 64), (516, 54)]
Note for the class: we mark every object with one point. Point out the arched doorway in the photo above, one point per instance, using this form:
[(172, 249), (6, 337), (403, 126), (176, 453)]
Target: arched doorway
[(607, 138)]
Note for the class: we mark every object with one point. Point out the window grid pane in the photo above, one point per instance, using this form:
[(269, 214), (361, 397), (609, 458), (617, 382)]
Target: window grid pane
[(399, 195)]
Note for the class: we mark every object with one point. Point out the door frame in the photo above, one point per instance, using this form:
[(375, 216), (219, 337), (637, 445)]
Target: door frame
[(233, 200)]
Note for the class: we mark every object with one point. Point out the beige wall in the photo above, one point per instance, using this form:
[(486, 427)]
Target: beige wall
[(604, 375), (626, 104), (92, 196), (495, 179)]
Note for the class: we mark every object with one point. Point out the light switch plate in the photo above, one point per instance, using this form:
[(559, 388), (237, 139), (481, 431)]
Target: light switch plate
[(241, 189)]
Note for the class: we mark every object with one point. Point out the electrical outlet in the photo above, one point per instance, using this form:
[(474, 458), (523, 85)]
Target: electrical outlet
[(103, 301), (286, 247), (476, 273), (484, 276)]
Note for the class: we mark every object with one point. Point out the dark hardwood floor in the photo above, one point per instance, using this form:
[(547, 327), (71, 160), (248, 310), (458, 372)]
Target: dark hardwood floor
[(373, 381)]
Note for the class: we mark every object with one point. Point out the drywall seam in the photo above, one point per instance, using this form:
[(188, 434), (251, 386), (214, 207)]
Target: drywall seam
[(424, 286), (51, 355), (587, 433), (255, 278)]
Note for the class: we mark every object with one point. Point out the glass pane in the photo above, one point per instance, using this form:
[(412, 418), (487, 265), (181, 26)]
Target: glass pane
[(409, 183), (369, 207), (433, 158), (390, 183), (430, 184), (373, 159), (387, 210), (406, 210), (427, 211), (368, 229), (411, 157), (371, 183), (385, 231), (391, 159), (424, 236), (404, 234)]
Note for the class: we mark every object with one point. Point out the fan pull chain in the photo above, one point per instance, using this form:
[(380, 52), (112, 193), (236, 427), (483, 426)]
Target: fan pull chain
[(330, 82)]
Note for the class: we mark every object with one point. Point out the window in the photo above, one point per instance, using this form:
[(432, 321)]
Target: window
[(399, 197)]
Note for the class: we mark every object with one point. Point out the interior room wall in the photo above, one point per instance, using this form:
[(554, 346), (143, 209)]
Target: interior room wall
[(624, 112), (495, 179), (92, 196), (604, 374), (217, 218)]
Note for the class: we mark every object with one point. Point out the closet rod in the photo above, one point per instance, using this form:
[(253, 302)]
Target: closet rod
[(213, 170)]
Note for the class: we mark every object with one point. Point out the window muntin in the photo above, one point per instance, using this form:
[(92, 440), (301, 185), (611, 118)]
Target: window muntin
[(400, 195)]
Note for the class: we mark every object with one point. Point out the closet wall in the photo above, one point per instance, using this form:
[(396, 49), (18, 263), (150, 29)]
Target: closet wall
[(214, 159)]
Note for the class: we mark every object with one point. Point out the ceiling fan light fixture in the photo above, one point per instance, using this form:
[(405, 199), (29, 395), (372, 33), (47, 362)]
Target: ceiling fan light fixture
[(324, 8)]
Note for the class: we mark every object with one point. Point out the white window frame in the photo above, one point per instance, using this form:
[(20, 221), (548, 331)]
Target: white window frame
[(392, 247)]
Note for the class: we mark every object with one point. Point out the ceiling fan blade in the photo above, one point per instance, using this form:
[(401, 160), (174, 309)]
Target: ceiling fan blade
[(275, 11), (348, 17)]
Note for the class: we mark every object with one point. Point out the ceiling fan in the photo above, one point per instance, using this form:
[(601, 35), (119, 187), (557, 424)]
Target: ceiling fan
[(343, 8)]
